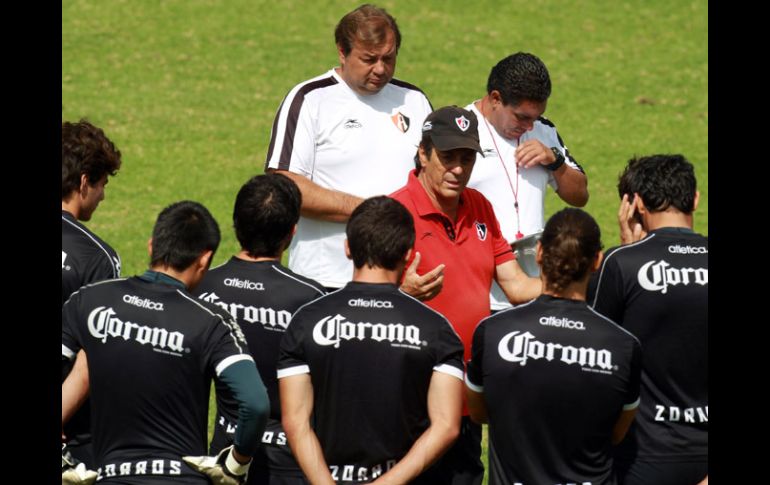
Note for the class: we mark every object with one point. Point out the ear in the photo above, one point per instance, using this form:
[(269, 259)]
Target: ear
[(597, 262), (149, 247), (294, 230), (347, 249), (695, 201), (204, 260), (495, 97), (83, 185), (539, 254), (639, 203), (341, 55), (408, 255), (422, 156)]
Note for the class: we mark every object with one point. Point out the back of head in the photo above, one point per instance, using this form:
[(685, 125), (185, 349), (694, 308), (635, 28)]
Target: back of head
[(85, 149), (183, 231), (367, 25), (520, 77), (380, 232), (662, 181), (570, 241), (266, 211)]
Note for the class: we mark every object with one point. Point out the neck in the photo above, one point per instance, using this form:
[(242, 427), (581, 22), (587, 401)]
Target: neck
[(72, 207), (447, 206), (667, 218), (484, 105), (574, 291), (187, 276), (368, 274), (244, 255)]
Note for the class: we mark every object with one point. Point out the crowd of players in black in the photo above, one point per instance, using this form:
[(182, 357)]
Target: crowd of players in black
[(601, 379)]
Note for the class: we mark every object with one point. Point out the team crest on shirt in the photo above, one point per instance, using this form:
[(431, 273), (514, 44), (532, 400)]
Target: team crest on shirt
[(462, 122), (401, 122), (481, 230)]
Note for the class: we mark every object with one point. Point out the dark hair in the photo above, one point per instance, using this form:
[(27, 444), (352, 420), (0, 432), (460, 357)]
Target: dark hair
[(426, 142), (662, 181), (369, 25), (570, 241), (520, 77), (266, 210), (380, 232), (182, 232), (85, 149)]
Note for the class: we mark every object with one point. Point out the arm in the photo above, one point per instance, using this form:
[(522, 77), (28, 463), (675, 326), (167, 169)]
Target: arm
[(621, 426), (426, 286), (321, 203), (572, 183), (243, 380), (444, 409), (296, 408), (477, 406), (517, 286), (74, 389)]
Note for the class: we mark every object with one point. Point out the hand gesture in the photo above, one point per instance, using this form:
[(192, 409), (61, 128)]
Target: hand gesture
[(426, 286)]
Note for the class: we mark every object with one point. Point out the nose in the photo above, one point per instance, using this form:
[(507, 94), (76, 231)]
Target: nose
[(379, 67)]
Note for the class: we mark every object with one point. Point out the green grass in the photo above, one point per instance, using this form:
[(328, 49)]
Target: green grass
[(187, 89)]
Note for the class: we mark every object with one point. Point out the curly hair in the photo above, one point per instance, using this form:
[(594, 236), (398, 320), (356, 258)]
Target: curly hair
[(85, 149), (661, 181), (570, 241), (520, 77)]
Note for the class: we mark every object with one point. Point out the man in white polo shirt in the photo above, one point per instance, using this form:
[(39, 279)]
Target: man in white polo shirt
[(344, 136)]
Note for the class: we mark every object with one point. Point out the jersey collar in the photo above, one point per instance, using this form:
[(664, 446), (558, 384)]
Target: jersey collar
[(151, 276)]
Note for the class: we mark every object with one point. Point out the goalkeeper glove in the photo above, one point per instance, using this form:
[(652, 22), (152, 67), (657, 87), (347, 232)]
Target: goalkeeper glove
[(222, 469)]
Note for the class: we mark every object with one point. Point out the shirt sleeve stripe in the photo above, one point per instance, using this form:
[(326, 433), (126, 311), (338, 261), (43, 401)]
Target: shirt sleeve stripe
[(293, 371), (230, 361), (633, 405), (473, 387), (449, 369), (66, 352)]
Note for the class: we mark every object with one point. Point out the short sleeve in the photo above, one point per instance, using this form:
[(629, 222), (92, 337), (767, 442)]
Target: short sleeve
[(474, 378), (291, 358)]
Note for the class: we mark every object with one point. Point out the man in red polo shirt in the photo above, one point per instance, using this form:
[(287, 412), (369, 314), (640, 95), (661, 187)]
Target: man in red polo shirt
[(456, 227)]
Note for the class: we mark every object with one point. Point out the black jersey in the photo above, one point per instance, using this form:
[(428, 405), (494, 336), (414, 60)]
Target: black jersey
[(657, 289), (370, 350), (152, 352), (85, 258), (555, 376), (262, 296)]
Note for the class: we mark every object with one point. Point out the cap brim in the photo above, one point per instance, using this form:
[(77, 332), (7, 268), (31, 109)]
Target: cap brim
[(445, 143)]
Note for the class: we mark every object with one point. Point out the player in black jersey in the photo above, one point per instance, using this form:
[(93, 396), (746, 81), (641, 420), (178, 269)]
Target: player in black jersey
[(557, 382), (152, 351), (657, 288), (88, 158), (262, 295), (370, 378)]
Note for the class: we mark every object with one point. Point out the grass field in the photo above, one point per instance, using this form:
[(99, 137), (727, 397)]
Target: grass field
[(188, 89)]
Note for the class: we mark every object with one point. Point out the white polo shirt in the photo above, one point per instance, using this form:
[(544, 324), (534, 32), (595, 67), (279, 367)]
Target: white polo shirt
[(341, 140), (490, 178)]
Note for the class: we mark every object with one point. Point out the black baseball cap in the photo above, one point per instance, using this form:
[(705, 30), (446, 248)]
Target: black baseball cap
[(452, 127)]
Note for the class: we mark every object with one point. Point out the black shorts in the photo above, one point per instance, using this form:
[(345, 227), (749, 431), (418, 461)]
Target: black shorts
[(661, 473)]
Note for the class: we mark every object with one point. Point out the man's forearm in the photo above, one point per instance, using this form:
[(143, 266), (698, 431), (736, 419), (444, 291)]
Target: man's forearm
[(320, 203), (74, 389), (573, 186), (307, 450)]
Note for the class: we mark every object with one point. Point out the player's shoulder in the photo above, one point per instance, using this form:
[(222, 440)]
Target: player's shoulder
[(315, 84), (401, 84), (298, 281), (79, 237), (202, 309)]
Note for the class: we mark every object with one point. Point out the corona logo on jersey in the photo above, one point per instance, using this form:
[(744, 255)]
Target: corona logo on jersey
[(244, 284), (657, 276), (269, 318), (103, 324), (143, 302), (332, 330), (562, 322), (371, 303), (520, 347)]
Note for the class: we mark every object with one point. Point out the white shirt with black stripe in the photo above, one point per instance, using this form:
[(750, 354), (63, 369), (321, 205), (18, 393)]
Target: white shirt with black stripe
[(341, 140), (495, 176)]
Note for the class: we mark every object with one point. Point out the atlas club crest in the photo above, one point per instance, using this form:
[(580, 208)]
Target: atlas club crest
[(463, 123), (401, 122)]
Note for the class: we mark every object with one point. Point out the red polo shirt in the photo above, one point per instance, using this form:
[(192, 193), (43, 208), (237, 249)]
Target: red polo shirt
[(470, 248)]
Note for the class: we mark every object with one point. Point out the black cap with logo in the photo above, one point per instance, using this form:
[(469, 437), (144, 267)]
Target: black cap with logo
[(452, 127)]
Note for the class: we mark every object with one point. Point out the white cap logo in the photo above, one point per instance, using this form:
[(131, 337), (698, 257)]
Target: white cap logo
[(462, 123)]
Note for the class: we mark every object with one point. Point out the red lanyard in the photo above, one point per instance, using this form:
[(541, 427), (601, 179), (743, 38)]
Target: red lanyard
[(515, 191)]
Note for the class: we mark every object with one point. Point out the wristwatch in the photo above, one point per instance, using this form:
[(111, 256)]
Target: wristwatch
[(559, 160)]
